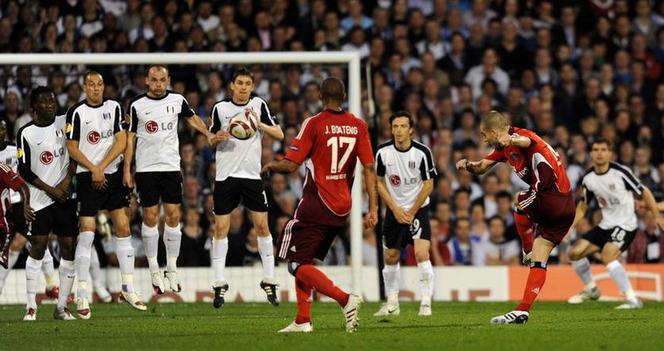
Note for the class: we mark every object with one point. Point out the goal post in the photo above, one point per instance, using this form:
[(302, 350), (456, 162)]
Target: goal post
[(351, 59)]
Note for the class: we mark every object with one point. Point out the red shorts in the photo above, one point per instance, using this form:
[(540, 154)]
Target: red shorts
[(302, 242), (552, 213)]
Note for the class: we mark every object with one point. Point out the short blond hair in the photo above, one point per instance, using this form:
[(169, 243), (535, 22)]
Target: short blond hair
[(495, 120)]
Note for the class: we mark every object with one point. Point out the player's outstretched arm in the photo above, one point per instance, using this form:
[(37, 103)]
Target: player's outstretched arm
[(515, 140), (660, 206), (478, 167), (651, 203), (274, 132), (283, 166), (28, 212), (580, 212), (197, 124), (369, 174)]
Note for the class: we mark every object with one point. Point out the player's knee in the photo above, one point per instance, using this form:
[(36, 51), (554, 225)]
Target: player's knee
[(150, 218), (262, 229), (608, 257), (421, 255), (17, 243), (38, 247), (575, 255), (172, 218), (87, 224), (67, 250), (293, 267), (122, 231), (391, 257)]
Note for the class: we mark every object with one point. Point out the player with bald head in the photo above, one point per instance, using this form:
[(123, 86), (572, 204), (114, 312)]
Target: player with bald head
[(153, 119), (544, 212), (96, 140)]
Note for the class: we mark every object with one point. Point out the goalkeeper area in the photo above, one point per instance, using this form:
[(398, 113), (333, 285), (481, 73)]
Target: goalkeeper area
[(454, 325)]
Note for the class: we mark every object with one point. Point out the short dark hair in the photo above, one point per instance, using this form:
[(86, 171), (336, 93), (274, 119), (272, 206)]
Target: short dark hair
[(34, 94), (605, 141), (332, 89), (496, 217), (504, 194), (242, 71), (402, 113)]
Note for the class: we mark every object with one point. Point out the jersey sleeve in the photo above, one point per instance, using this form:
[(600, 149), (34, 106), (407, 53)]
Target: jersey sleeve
[(301, 146), (10, 179), (133, 119), (631, 181), (73, 126), (118, 120), (380, 165), (588, 195), (427, 168), (266, 116), (496, 155), (216, 122), (23, 155), (186, 111), (364, 151)]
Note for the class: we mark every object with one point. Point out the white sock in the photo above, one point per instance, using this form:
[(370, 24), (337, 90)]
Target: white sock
[(426, 281), (266, 251), (32, 268), (582, 269), (67, 274), (47, 268), (619, 275), (219, 251), (391, 277), (13, 257), (82, 262), (125, 254), (172, 241), (151, 244), (95, 269)]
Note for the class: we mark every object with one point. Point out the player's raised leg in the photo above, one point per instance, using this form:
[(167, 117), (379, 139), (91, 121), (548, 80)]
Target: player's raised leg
[(266, 250), (172, 241), (150, 235), (391, 276), (578, 254), (219, 251), (426, 275)]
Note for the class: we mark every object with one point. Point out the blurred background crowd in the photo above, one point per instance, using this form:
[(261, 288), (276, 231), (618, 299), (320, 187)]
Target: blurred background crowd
[(572, 71)]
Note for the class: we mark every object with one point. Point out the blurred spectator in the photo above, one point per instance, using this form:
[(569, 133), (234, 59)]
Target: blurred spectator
[(495, 249)]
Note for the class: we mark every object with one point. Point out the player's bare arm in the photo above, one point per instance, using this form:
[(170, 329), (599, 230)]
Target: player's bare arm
[(369, 173), (274, 131), (283, 166), (75, 153), (28, 212), (399, 213), (475, 167), (127, 178), (197, 124), (651, 204), (66, 182), (660, 206), (119, 145), (514, 140), (580, 212), (422, 196)]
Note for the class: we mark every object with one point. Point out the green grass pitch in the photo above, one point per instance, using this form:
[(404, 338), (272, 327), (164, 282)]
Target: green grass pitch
[(248, 326)]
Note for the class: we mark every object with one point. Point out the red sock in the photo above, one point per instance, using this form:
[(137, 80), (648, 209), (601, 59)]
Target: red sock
[(525, 229), (319, 281), (536, 279), (303, 293)]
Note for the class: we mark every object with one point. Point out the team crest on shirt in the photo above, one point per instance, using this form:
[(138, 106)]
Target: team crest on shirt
[(151, 127), (106, 115), (93, 137), (612, 187), (411, 164), (46, 157), (395, 180)]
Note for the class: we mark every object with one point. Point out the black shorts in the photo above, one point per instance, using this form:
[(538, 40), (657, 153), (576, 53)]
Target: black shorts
[(616, 236), (19, 225), (229, 192), (398, 236), (59, 219), (113, 197), (152, 186)]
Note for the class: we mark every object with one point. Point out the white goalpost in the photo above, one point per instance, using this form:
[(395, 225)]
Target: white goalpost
[(351, 59)]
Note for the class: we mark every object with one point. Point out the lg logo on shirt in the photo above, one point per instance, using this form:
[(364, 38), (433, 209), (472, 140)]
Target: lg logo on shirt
[(396, 180), (47, 157), (152, 126), (94, 136)]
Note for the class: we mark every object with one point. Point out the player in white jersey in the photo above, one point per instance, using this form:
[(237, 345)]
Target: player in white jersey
[(8, 157), (44, 164), (153, 124), (96, 141), (613, 186), (238, 178), (406, 173)]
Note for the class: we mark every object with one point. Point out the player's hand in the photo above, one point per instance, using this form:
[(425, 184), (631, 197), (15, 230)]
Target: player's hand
[(462, 164), (28, 213), (401, 216), (98, 178), (410, 216), (265, 171), (128, 179), (58, 194), (371, 219), (660, 222), (221, 136)]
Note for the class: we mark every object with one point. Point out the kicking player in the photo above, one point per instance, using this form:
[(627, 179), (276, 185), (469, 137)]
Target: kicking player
[(545, 210), (409, 167), (44, 164), (238, 178), (153, 125), (332, 141), (96, 141), (613, 186), (16, 245)]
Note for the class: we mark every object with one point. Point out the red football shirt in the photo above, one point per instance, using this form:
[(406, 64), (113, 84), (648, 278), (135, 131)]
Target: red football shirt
[(8, 180), (332, 141), (525, 162)]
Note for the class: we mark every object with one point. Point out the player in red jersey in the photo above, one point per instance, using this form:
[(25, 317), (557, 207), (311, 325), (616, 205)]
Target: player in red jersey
[(330, 143), (11, 180), (545, 211)]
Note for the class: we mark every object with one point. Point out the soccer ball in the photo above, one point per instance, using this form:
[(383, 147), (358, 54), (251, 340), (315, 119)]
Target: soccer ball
[(243, 125)]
